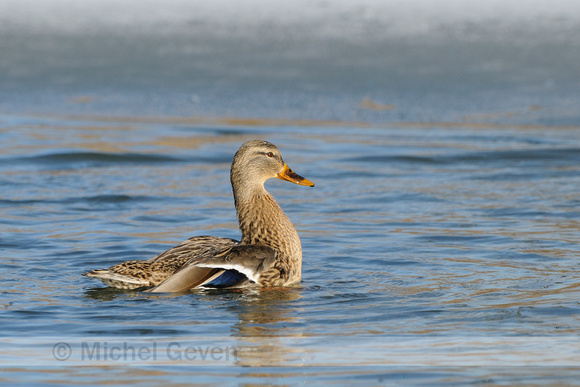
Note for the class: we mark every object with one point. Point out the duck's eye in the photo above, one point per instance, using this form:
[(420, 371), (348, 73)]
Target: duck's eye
[(270, 154)]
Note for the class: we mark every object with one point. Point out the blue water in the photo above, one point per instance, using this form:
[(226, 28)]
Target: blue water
[(441, 240)]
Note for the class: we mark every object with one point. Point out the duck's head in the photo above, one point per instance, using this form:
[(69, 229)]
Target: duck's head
[(257, 161)]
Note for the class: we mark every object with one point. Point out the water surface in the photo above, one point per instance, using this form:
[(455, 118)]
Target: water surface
[(431, 254)]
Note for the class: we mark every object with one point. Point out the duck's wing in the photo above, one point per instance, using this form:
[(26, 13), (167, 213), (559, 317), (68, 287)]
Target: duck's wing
[(186, 279), (249, 260), (226, 268)]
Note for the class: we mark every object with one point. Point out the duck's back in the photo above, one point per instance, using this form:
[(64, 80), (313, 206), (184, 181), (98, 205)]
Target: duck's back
[(137, 274)]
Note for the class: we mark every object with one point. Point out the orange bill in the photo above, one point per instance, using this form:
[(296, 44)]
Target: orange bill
[(289, 175)]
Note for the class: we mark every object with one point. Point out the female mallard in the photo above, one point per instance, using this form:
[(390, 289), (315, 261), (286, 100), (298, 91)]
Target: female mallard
[(269, 253)]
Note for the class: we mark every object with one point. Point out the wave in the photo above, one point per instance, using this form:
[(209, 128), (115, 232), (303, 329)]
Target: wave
[(92, 157), (542, 156)]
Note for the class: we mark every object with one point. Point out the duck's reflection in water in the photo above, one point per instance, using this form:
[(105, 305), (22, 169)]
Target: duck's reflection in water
[(268, 325), (269, 320)]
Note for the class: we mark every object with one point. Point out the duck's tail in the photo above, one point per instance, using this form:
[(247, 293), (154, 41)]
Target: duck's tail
[(117, 280)]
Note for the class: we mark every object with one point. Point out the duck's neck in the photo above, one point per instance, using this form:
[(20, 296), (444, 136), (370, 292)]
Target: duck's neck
[(262, 222)]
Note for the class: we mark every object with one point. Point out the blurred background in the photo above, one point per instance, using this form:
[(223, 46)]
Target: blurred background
[(370, 60)]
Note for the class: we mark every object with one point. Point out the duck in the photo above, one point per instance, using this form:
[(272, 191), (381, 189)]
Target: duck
[(269, 253)]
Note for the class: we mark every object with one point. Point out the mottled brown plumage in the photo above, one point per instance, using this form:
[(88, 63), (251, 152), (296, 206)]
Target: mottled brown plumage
[(269, 253)]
